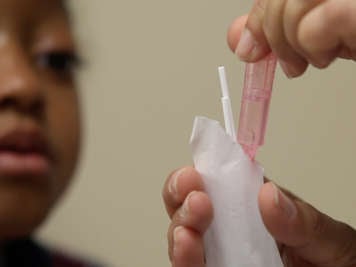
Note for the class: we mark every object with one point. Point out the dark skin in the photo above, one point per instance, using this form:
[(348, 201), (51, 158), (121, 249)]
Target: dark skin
[(305, 236), (299, 33), (37, 94)]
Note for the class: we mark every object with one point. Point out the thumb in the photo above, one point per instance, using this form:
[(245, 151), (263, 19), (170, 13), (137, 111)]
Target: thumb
[(310, 234)]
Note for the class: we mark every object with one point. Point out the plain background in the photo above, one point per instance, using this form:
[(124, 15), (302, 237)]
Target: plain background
[(151, 67)]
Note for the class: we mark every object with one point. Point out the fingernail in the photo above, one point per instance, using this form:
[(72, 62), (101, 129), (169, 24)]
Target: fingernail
[(176, 233), (172, 188), (246, 44), (185, 208), (288, 69), (284, 203)]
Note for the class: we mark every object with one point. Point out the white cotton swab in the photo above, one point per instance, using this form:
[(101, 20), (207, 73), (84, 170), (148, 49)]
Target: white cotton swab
[(226, 104)]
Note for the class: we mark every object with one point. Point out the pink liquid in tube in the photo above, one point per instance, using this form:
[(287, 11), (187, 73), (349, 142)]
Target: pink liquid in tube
[(256, 97)]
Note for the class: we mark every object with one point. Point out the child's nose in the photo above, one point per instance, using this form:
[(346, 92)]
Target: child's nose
[(20, 86)]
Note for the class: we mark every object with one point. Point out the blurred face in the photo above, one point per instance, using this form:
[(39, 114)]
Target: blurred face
[(39, 118)]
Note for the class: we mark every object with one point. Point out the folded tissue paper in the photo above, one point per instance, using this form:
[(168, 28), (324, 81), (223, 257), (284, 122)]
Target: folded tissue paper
[(237, 236)]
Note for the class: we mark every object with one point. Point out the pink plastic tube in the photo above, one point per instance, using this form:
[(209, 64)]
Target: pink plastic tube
[(256, 97)]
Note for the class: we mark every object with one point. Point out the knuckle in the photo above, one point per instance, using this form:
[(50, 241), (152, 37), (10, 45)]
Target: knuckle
[(274, 37), (259, 9), (255, 21), (261, 5)]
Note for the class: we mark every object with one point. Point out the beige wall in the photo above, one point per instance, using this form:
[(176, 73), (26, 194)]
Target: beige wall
[(151, 68)]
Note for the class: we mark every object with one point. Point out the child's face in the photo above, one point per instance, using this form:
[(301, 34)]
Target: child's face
[(39, 117)]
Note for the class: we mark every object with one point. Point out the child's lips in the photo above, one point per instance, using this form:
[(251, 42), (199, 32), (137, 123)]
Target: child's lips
[(24, 153), (17, 164)]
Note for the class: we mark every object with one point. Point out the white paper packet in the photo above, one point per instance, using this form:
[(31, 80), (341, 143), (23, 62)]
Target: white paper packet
[(237, 236)]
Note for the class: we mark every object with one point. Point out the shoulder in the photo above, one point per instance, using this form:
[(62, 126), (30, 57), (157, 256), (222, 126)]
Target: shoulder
[(26, 252), (60, 259)]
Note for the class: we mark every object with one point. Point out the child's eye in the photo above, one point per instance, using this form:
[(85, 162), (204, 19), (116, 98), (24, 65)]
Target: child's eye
[(61, 62)]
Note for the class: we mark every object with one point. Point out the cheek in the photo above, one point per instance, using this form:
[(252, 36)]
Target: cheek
[(63, 122)]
